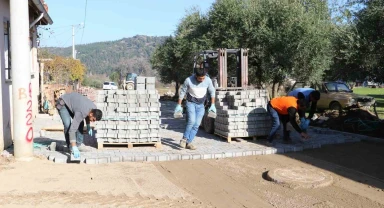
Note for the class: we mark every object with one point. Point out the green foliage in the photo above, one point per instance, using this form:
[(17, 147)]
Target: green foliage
[(64, 70), (370, 26), (359, 41), (93, 82), (115, 77), (285, 37)]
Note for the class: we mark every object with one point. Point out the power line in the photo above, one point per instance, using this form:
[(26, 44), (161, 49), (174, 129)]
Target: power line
[(85, 16)]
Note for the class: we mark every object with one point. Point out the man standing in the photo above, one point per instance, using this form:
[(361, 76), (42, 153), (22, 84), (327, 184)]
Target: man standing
[(73, 109), (285, 109), (195, 87), (309, 95)]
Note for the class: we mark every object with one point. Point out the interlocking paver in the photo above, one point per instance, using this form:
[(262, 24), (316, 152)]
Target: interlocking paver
[(208, 146)]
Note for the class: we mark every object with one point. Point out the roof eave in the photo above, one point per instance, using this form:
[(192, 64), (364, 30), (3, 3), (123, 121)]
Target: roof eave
[(40, 7)]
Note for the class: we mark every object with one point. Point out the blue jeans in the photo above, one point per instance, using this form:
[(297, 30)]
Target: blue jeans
[(66, 117), (195, 113), (275, 122)]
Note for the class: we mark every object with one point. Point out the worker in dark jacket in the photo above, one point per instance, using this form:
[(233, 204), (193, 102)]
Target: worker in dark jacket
[(73, 109), (285, 109)]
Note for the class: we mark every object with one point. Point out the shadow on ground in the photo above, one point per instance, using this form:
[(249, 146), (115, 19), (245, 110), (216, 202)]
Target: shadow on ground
[(362, 162)]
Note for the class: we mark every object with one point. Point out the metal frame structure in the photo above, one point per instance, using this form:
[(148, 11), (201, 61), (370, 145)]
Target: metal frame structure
[(222, 55)]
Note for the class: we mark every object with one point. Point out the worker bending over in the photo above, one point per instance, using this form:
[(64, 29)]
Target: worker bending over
[(73, 109), (285, 109)]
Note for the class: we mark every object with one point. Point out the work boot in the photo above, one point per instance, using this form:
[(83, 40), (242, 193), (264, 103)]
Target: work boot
[(191, 146), (83, 148), (183, 143)]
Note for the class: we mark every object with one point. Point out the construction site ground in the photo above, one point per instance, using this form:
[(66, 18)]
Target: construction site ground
[(218, 174)]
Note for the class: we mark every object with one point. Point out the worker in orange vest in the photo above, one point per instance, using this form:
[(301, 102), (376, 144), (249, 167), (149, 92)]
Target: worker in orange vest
[(285, 109)]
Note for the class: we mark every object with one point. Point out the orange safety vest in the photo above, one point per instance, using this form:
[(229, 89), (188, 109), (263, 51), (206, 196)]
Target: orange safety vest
[(281, 104)]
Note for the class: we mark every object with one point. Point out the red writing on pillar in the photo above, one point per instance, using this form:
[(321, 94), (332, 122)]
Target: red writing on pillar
[(29, 134)]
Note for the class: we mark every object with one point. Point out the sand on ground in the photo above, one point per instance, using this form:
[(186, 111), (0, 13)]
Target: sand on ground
[(356, 169)]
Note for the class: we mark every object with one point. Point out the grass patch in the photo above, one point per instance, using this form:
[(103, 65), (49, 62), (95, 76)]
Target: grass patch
[(377, 93)]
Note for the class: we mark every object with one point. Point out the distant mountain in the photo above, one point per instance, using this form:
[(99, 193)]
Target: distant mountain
[(128, 54)]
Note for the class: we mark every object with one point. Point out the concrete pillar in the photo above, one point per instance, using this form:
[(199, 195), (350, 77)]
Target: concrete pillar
[(21, 81)]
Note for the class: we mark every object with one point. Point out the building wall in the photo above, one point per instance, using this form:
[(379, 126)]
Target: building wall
[(5, 99), (6, 127)]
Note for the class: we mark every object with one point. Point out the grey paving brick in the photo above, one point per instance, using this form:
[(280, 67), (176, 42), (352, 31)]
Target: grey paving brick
[(248, 153), (238, 154), (219, 155), (140, 158), (228, 154), (208, 156), (152, 158), (126, 158), (60, 159), (91, 161), (103, 160), (270, 151), (163, 158), (185, 157), (196, 157)]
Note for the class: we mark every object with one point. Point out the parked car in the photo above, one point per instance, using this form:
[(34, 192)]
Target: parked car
[(109, 86), (337, 96)]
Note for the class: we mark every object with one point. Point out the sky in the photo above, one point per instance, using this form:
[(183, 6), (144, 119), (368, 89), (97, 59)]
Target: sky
[(107, 20)]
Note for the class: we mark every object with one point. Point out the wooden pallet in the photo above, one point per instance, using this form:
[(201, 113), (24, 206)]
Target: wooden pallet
[(237, 139), (60, 128), (107, 145)]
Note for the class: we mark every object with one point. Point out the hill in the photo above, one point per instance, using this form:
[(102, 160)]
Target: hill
[(126, 55)]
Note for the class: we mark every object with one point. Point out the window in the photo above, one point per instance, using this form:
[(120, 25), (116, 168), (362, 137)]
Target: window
[(331, 87), (7, 50), (341, 87)]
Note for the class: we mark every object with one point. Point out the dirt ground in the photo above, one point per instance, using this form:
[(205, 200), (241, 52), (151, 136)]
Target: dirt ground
[(357, 171)]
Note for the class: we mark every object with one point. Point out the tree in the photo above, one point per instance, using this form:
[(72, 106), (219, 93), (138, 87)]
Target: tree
[(165, 62), (285, 38), (173, 60), (115, 77), (63, 70), (370, 26)]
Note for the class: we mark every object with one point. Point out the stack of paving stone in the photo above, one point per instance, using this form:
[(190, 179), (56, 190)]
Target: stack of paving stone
[(129, 116), (242, 113)]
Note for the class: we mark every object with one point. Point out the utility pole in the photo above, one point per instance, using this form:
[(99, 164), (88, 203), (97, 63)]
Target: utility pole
[(21, 81), (73, 42)]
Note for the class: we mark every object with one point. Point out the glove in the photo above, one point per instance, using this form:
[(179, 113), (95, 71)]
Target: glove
[(89, 129), (212, 108), (75, 151), (178, 108)]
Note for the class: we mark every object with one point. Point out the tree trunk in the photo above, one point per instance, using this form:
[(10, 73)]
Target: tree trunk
[(274, 89), (177, 86)]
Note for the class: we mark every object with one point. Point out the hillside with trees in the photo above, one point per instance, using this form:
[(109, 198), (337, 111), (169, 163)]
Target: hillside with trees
[(124, 55)]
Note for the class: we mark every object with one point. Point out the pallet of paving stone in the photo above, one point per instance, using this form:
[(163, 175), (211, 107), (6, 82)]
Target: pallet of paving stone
[(110, 145)]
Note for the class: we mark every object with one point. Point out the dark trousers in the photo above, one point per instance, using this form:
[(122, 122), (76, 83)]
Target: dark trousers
[(67, 116), (276, 120)]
